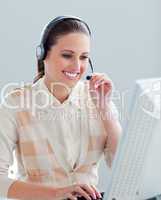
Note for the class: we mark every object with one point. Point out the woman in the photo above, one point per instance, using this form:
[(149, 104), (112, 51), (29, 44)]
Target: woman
[(59, 126)]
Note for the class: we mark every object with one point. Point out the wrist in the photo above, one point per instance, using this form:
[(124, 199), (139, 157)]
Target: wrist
[(103, 103), (56, 193), (104, 107), (106, 113), (51, 192)]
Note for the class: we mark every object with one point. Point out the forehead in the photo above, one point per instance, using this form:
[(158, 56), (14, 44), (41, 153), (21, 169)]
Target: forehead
[(74, 41)]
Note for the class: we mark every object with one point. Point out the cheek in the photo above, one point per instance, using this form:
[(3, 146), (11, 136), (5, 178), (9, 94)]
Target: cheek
[(55, 65), (84, 68), (51, 71)]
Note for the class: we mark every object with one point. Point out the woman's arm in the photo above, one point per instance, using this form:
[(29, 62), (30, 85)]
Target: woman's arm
[(112, 127), (113, 131), (28, 191), (100, 87)]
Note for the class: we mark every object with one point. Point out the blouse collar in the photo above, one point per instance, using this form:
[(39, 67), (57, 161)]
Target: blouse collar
[(73, 98)]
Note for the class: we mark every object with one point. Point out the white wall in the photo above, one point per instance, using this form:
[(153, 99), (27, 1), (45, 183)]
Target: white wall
[(126, 38)]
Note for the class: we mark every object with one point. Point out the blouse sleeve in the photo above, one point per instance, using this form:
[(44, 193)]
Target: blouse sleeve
[(8, 139), (107, 152)]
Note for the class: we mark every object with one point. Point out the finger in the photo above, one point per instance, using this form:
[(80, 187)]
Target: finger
[(70, 196), (98, 194), (97, 77), (91, 85), (89, 190), (98, 81), (94, 83), (94, 75), (82, 192), (104, 84)]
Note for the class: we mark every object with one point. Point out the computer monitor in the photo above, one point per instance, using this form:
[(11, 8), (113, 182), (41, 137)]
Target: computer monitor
[(136, 169)]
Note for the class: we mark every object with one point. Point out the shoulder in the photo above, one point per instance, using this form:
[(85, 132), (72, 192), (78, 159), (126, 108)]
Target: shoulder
[(14, 97), (19, 92)]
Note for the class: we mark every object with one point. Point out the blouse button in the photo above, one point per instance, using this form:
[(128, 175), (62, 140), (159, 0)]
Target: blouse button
[(72, 171)]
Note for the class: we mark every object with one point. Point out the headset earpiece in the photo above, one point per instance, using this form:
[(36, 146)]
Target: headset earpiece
[(40, 52)]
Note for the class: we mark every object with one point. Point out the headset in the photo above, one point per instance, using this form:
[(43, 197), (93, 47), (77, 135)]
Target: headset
[(40, 50)]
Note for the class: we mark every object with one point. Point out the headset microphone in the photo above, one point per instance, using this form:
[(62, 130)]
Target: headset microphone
[(90, 76)]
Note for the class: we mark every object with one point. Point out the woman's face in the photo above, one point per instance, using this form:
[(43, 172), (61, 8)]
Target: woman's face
[(67, 60)]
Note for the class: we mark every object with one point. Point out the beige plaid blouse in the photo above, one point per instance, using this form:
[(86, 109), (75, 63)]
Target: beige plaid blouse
[(55, 144)]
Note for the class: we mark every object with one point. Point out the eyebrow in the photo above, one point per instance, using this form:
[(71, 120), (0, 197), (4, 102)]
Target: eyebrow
[(73, 51)]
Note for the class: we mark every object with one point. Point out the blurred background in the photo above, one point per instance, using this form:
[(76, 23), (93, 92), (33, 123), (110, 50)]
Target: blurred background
[(126, 40)]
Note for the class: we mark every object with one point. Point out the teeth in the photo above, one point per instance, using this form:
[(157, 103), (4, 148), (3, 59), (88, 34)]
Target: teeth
[(70, 74)]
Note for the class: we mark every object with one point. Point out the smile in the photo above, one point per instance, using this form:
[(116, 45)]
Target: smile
[(70, 75)]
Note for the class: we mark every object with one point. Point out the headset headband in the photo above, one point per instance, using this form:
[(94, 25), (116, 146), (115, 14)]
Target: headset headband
[(40, 50), (56, 21)]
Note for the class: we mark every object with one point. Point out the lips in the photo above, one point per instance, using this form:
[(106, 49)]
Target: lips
[(71, 74)]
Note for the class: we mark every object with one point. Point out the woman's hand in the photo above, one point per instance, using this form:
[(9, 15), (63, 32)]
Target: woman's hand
[(74, 191), (100, 87)]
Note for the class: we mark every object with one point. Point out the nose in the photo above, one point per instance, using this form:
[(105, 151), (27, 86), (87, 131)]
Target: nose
[(77, 63)]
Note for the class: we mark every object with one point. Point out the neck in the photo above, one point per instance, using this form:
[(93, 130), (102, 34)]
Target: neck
[(58, 90)]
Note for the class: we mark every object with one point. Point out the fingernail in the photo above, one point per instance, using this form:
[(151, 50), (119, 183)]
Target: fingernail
[(100, 196), (95, 86), (94, 196)]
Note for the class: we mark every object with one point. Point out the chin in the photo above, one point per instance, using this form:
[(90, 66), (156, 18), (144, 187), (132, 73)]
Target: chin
[(72, 84)]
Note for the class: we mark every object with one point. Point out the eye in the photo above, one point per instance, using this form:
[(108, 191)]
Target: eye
[(67, 56), (84, 57)]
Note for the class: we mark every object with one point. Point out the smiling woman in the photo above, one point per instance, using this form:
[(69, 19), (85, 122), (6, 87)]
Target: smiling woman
[(67, 61), (66, 49), (58, 157)]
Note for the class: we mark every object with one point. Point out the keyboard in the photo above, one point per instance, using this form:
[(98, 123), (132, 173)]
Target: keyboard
[(82, 198)]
